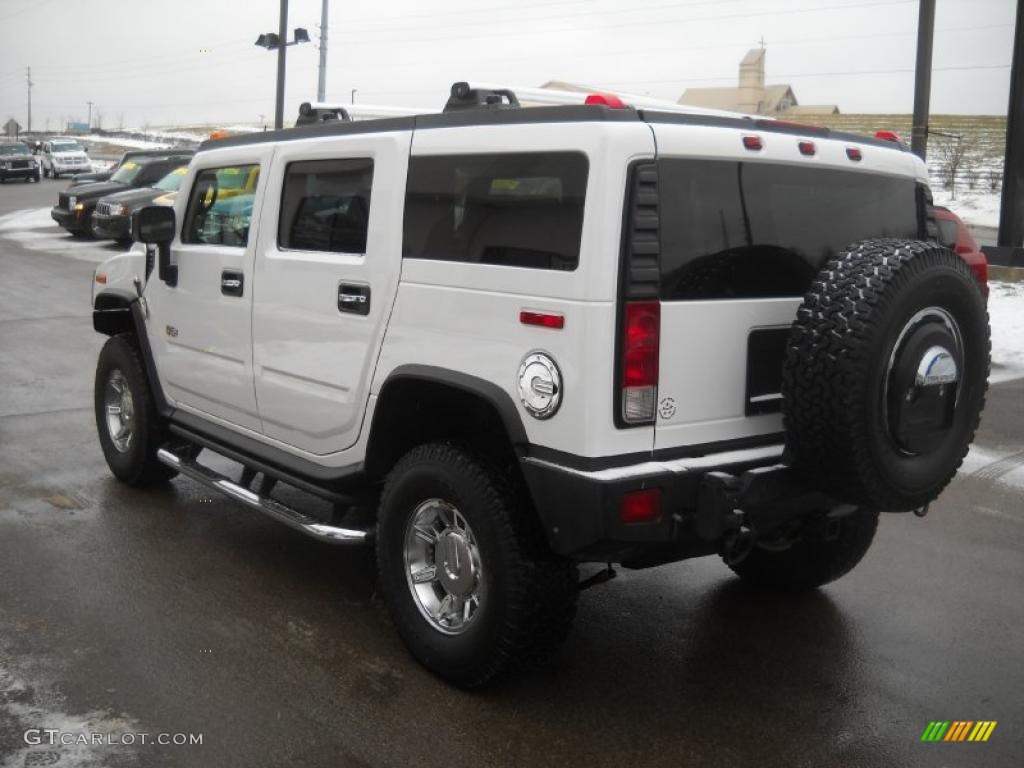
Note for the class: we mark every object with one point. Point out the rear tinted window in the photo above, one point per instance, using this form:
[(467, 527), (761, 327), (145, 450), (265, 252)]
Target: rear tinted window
[(326, 206), (517, 210), (745, 230)]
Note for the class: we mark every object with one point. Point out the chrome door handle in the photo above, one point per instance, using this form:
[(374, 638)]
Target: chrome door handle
[(354, 298), (231, 283)]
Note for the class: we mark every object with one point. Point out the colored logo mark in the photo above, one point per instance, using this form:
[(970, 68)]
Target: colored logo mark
[(958, 730)]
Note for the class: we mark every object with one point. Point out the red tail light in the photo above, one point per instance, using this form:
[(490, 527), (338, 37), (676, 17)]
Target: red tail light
[(854, 154), (752, 142), (605, 100), (641, 506), (641, 330), (806, 147)]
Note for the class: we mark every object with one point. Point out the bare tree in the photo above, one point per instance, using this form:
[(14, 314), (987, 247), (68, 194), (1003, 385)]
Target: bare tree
[(953, 155), (99, 119), (120, 121)]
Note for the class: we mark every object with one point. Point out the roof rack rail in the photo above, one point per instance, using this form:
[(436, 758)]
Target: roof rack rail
[(310, 114), (597, 96), (464, 96)]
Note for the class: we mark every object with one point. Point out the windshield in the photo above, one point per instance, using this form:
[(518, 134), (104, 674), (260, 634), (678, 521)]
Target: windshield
[(126, 173), (172, 180), (14, 149), (65, 146)]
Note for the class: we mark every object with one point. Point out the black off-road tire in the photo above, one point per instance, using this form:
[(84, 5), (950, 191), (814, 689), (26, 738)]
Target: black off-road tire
[(138, 465), (813, 559), (836, 369), (530, 592)]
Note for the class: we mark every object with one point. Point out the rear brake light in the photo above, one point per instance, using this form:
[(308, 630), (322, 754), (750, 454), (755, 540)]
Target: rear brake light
[(543, 319), (889, 136), (605, 100), (641, 330), (806, 147), (641, 506), (752, 142), (854, 154)]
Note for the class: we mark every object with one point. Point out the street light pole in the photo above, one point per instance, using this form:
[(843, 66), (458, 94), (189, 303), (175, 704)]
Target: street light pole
[(282, 36), (321, 85), (923, 78), (89, 124)]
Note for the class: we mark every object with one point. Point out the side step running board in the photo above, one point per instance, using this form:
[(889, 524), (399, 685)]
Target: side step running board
[(297, 520)]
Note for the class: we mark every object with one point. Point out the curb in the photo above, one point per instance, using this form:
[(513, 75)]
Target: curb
[(1006, 274)]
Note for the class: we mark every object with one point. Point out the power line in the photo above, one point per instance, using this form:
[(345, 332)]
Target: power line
[(489, 21), (679, 51), (798, 75), (367, 40)]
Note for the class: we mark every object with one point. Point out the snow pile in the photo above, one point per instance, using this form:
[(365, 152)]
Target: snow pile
[(125, 142), (1006, 316)]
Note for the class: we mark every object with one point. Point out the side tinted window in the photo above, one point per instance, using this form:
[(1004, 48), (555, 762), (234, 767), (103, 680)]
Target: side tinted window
[(325, 206), (220, 206), (517, 210)]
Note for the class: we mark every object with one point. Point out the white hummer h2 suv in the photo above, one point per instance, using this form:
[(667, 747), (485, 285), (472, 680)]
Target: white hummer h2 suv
[(504, 341)]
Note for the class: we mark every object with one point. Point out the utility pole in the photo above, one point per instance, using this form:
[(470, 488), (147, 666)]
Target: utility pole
[(1011, 218), (281, 49), (321, 85), (923, 78), (89, 124), (28, 79)]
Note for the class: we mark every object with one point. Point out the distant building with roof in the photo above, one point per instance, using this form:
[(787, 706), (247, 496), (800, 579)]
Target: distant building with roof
[(752, 96)]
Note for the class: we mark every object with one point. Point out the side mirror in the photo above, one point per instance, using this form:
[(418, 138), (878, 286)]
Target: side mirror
[(155, 225)]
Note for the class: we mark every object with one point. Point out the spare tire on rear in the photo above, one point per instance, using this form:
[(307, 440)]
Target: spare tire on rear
[(885, 374)]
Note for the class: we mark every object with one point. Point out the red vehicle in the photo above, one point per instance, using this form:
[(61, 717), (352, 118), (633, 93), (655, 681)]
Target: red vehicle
[(955, 235)]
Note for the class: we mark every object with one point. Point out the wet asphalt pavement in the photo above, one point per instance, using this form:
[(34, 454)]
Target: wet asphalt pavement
[(166, 611)]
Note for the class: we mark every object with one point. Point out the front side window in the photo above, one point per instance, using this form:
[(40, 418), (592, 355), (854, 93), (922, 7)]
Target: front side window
[(516, 210), (220, 206), (326, 206)]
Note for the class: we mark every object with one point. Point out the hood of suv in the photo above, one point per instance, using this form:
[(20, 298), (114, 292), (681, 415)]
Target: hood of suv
[(88, 178), (133, 198), (98, 189)]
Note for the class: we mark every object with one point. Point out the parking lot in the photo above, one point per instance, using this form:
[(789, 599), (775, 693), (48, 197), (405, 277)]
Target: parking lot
[(171, 612)]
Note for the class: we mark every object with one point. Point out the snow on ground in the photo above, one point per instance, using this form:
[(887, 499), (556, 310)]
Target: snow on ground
[(127, 143), (1006, 316), (980, 209), (34, 229)]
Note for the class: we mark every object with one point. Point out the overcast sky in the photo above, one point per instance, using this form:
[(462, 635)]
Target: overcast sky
[(162, 62)]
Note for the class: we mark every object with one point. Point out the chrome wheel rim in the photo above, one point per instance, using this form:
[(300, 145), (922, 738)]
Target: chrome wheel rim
[(119, 408), (943, 318), (443, 567)]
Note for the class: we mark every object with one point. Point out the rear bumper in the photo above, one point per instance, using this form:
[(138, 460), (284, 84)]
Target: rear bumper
[(580, 509)]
